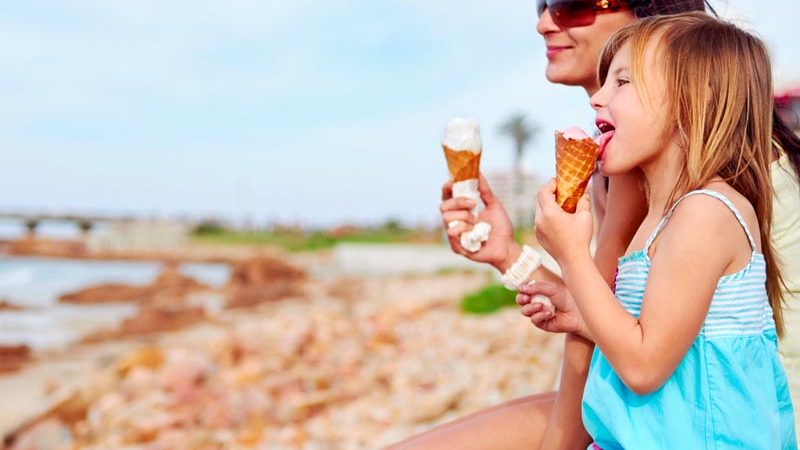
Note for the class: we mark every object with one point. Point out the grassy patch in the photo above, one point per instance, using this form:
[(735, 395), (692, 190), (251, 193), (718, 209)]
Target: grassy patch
[(302, 241), (488, 300)]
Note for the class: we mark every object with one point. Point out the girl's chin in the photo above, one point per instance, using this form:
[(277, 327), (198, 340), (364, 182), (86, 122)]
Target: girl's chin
[(608, 170)]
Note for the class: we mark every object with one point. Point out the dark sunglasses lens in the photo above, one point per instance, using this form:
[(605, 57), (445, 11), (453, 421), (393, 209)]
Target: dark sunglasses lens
[(540, 6), (572, 13)]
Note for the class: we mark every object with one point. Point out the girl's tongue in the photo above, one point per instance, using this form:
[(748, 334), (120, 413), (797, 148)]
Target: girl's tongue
[(602, 141)]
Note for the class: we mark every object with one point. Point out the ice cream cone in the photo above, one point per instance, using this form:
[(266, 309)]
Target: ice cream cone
[(575, 162), (462, 149), (462, 164)]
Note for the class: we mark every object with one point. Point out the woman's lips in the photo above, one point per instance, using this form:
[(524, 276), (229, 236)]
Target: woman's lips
[(602, 141), (553, 50)]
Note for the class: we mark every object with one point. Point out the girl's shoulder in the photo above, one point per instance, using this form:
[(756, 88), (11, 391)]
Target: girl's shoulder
[(718, 212)]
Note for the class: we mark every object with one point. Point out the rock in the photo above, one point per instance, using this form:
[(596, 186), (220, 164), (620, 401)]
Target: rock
[(262, 279), (264, 270), (318, 373), (150, 357), (169, 283), (247, 296), (13, 357), (150, 320), (5, 305)]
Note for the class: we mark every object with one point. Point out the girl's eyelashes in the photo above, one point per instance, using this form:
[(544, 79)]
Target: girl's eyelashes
[(622, 81)]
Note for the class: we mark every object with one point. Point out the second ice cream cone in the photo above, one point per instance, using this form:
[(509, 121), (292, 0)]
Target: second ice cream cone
[(462, 164), (575, 162)]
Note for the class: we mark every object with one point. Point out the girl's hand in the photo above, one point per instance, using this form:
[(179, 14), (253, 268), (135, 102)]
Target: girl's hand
[(565, 236), (566, 319), (500, 250)]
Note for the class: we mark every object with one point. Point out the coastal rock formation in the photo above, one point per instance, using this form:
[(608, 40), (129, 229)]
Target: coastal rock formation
[(169, 283), (150, 319), (13, 357), (262, 279), (5, 305)]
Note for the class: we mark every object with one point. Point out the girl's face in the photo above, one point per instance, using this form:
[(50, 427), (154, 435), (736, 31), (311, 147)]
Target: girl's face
[(573, 53), (635, 130)]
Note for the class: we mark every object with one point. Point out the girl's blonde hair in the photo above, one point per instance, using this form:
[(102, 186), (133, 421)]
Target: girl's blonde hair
[(718, 83)]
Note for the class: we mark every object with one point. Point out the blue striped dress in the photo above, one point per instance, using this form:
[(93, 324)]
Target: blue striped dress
[(728, 392)]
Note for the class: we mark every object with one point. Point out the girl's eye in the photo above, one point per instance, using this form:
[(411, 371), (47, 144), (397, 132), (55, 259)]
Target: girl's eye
[(622, 81)]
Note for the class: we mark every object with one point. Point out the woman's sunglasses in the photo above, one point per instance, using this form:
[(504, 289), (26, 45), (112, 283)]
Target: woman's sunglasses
[(581, 13)]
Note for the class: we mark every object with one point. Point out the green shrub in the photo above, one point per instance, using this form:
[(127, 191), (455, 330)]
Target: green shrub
[(488, 300)]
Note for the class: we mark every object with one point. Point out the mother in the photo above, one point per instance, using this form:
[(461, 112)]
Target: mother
[(574, 32)]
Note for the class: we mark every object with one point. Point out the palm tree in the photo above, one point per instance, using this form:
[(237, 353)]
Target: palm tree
[(30, 225), (518, 129)]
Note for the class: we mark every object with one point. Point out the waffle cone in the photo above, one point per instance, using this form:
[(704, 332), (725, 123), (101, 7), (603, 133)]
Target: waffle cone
[(462, 164), (575, 162)]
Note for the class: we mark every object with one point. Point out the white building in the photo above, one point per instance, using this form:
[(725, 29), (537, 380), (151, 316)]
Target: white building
[(140, 235), (522, 206)]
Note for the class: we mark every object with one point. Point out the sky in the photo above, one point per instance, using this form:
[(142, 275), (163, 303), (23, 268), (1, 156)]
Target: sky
[(271, 111)]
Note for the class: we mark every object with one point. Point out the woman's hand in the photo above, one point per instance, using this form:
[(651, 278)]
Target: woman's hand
[(563, 235), (565, 319), (500, 250)]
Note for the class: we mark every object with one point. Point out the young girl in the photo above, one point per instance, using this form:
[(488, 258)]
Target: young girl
[(686, 352)]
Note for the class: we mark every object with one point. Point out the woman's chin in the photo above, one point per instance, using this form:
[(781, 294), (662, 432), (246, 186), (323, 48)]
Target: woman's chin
[(562, 74)]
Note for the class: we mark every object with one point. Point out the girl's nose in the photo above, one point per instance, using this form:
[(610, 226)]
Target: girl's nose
[(599, 99)]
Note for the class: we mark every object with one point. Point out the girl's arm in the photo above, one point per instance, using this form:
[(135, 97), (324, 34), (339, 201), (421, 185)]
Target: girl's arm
[(626, 207), (692, 255)]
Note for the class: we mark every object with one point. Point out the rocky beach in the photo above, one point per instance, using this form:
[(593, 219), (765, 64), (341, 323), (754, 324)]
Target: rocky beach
[(290, 353)]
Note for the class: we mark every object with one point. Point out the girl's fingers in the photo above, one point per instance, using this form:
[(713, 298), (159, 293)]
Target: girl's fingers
[(551, 186), (545, 288), (530, 309), (584, 204), (457, 203), (523, 299), (545, 302), (546, 195), (541, 318)]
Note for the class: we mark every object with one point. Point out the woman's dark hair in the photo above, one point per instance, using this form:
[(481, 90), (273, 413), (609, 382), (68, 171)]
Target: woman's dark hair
[(663, 7), (788, 142)]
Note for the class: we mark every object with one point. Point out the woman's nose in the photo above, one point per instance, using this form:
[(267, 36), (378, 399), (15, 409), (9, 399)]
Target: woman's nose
[(545, 24)]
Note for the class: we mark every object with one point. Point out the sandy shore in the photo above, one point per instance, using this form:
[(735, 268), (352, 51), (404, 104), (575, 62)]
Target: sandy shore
[(345, 363)]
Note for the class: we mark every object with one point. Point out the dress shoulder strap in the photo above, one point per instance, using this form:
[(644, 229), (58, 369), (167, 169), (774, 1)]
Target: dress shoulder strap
[(663, 222)]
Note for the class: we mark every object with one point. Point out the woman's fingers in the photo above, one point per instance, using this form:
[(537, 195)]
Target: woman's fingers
[(523, 299), (457, 203), (454, 229), (459, 215), (486, 191), (447, 189)]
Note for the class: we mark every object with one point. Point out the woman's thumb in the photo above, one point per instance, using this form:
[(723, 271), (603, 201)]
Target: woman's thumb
[(486, 192)]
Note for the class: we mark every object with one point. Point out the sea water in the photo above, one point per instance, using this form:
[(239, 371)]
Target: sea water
[(36, 283)]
